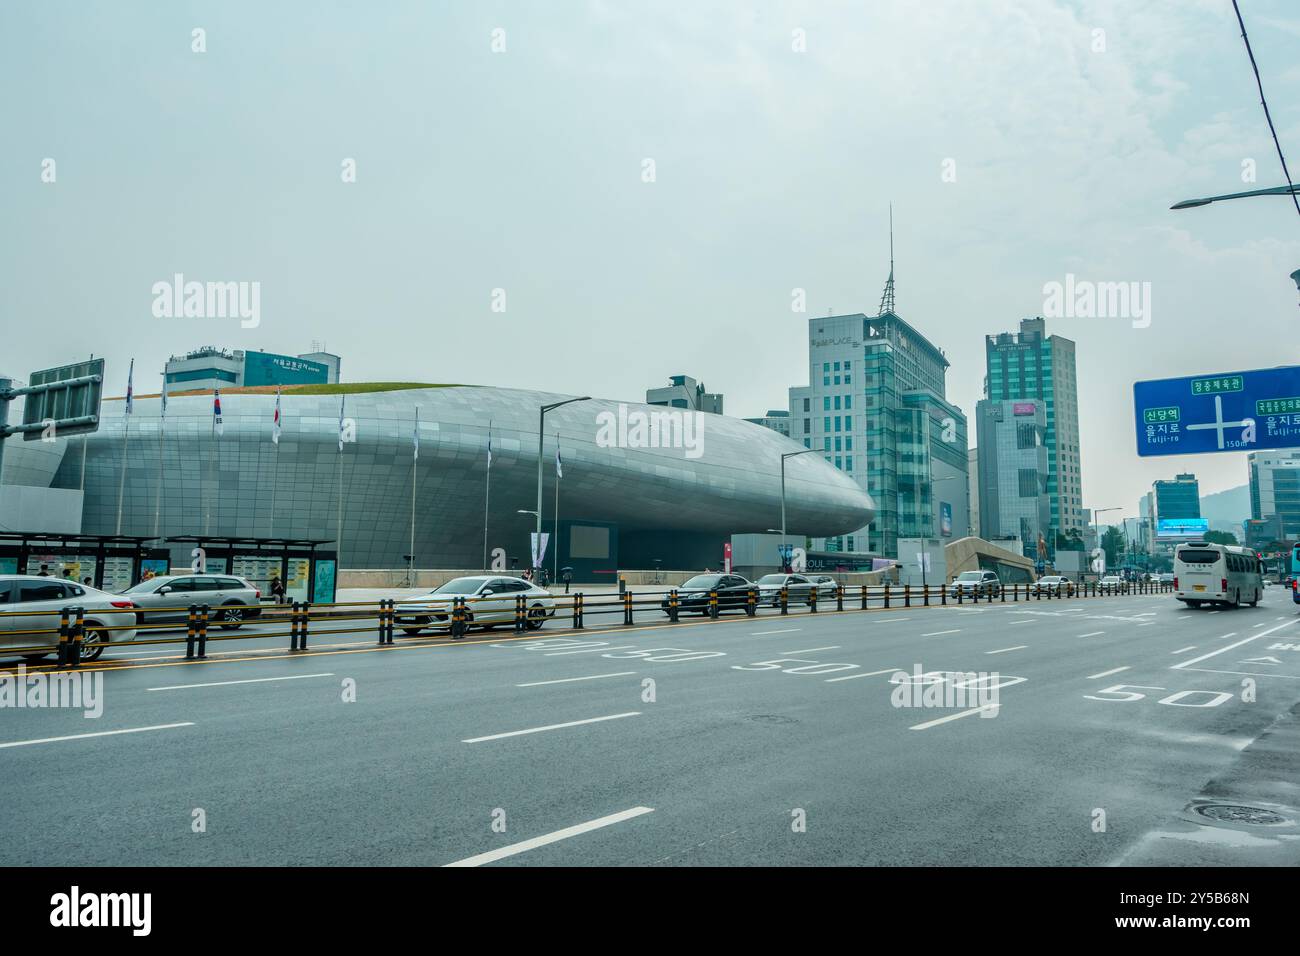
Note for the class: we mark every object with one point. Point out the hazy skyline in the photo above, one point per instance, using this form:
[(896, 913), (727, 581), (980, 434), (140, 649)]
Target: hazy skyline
[(774, 168)]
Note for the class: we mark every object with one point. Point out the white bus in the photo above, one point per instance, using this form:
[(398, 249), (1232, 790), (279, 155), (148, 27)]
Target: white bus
[(1217, 574)]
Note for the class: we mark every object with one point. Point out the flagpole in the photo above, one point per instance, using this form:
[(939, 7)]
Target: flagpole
[(555, 555), (338, 545), (487, 497), (126, 435), (415, 464), (275, 468), (162, 439)]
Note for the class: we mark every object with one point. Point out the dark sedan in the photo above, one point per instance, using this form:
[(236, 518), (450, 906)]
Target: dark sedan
[(693, 596)]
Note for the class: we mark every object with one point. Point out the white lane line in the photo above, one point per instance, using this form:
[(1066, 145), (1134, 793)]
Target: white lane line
[(227, 683), (525, 845), (784, 630), (1223, 650), (538, 730), (1184, 650), (1147, 624), (589, 650), (1093, 634), (809, 650), (1226, 636), (887, 670), (1212, 612), (570, 680), (941, 633), (893, 620), (1114, 670), (1028, 620), (1003, 650), (958, 716), (1262, 624), (101, 733)]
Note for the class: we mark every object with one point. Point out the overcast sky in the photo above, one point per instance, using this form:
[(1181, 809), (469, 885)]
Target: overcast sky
[(774, 168)]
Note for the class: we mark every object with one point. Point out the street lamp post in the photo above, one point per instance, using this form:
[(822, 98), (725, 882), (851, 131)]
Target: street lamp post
[(788, 454), (541, 440), (1097, 522)]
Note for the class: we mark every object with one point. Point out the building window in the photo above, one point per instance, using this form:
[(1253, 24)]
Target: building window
[(807, 425), (848, 423), (848, 401), (837, 423), (826, 424)]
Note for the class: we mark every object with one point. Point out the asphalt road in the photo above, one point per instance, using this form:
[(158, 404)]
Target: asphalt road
[(773, 740)]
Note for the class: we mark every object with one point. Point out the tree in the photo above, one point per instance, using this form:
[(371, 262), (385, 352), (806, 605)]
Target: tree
[(1070, 541), (1112, 542), (1220, 537)]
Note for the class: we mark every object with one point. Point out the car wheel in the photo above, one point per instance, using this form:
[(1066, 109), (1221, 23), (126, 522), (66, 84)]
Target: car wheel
[(1255, 603), (92, 645), (411, 631), (536, 617), (231, 616)]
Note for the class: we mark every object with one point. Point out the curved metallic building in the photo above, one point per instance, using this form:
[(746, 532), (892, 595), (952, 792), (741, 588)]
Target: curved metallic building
[(674, 506)]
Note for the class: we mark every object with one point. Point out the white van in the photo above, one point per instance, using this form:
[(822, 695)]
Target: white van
[(1216, 573)]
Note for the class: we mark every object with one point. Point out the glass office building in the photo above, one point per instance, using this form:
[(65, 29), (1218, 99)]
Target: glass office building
[(1013, 471), (1275, 489), (1035, 365), (875, 409)]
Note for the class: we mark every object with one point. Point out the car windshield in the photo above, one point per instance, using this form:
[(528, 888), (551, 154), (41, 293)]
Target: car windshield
[(772, 579), (459, 586), (970, 576), (703, 581), (144, 586)]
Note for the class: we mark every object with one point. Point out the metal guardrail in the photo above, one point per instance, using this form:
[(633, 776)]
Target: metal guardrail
[(381, 616)]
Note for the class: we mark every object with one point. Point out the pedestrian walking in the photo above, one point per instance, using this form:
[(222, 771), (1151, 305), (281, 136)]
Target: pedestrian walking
[(568, 578)]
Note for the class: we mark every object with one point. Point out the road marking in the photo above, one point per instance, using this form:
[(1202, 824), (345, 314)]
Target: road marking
[(538, 730), (1028, 620), (1226, 636), (226, 683), (1147, 624), (1115, 670), (101, 733), (958, 716), (941, 633), (1223, 650), (1262, 624), (570, 680), (809, 650), (1003, 650), (1093, 634), (588, 650), (1212, 612), (1183, 650), (897, 620), (888, 670), (525, 845), (784, 630)]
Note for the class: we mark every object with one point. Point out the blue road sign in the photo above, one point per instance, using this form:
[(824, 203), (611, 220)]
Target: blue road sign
[(1230, 411)]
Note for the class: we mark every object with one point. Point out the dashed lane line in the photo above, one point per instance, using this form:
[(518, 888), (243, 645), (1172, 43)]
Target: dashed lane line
[(570, 680), (538, 730), (1114, 670), (524, 846)]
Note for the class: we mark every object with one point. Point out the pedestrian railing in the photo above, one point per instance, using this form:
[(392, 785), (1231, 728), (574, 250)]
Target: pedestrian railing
[(75, 631)]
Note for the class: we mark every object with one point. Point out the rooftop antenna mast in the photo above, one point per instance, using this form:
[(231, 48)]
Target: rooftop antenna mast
[(887, 298)]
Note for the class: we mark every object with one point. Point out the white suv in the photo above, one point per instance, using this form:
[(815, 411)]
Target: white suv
[(31, 594)]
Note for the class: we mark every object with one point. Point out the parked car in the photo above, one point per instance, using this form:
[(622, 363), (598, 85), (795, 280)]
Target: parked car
[(798, 588), (693, 596), (975, 584), (166, 599), (32, 594), (1112, 584), (1057, 585), (489, 601)]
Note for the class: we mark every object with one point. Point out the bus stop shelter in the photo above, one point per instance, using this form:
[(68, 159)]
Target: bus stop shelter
[(309, 573), (111, 562)]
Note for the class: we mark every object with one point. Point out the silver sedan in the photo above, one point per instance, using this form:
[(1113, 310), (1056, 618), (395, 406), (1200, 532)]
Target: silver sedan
[(489, 601)]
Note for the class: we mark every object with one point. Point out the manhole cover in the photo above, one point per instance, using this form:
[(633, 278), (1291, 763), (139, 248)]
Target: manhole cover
[(772, 719), (1235, 813)]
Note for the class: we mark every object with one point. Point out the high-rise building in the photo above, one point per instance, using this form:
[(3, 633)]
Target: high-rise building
[(1013, 471), (1275, 488), (875, 408), (685, 392), (777, 419), (1179, 498), (1035, 365)]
